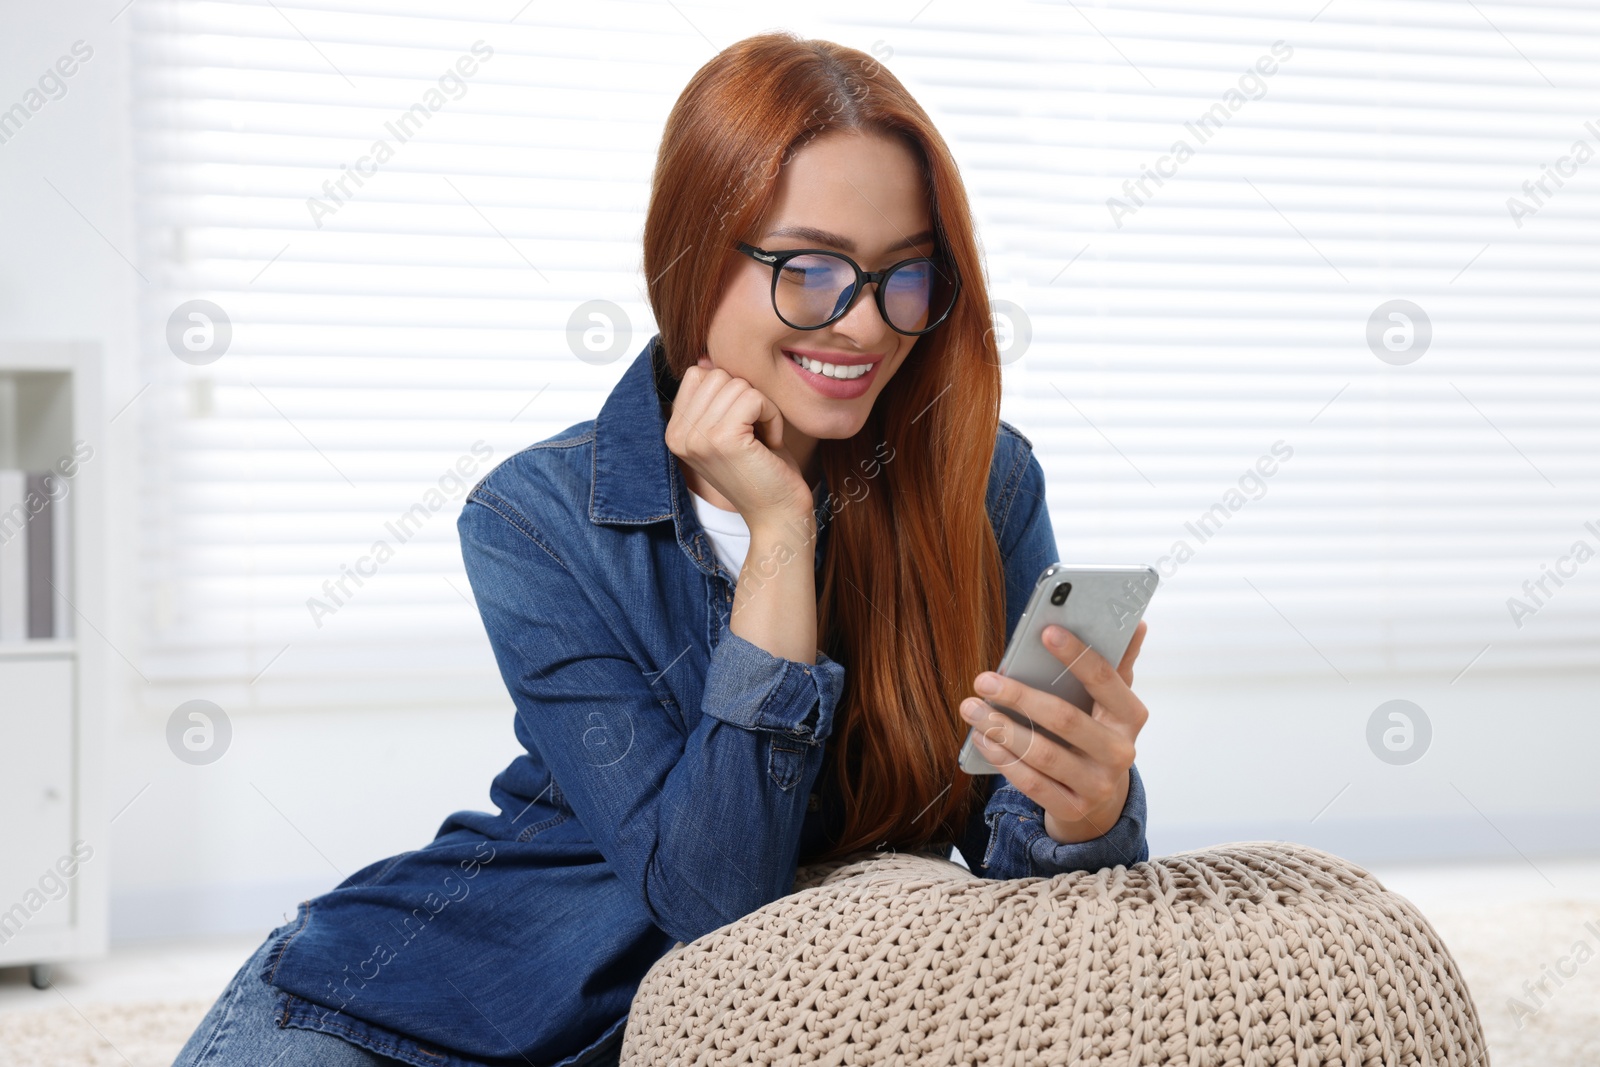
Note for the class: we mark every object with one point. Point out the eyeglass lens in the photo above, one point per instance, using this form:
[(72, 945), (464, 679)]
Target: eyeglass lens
[(812, 288)]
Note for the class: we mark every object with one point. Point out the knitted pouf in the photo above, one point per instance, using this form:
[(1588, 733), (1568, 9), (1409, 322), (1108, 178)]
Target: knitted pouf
[(1239, 955)]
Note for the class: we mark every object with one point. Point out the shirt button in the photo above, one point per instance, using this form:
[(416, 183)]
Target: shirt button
[(814, 804)]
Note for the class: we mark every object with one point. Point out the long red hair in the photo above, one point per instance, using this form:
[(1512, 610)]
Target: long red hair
[(912, 597)]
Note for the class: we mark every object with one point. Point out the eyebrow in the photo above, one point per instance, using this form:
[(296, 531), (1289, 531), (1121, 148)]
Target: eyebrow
[(811, 233)]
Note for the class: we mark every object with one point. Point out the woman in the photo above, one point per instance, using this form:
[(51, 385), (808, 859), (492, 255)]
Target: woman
[(679, 674)]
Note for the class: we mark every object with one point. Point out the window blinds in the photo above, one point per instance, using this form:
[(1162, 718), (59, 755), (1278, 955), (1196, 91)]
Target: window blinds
[(373, 223)]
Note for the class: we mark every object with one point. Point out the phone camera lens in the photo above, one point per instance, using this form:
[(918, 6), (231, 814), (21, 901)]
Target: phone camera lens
[(1059, 594)]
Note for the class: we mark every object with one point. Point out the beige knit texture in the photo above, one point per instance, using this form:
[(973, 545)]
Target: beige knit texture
[(1239, 955)]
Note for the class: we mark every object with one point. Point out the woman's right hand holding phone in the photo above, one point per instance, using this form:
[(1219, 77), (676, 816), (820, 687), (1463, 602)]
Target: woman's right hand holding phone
[(1082, 786)]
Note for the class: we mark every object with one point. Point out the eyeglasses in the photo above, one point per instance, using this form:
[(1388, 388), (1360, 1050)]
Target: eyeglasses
[(812, 287)]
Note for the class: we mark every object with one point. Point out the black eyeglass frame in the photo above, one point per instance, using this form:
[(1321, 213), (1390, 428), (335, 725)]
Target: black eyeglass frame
[(777, 259)]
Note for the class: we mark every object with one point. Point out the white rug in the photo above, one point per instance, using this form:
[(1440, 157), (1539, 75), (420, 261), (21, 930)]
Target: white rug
[(143, 1034), (1505, 953)]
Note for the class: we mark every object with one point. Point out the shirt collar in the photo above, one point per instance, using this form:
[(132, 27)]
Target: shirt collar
[(636, 477)]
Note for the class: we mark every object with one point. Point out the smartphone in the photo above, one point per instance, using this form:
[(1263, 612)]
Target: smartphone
[(1101, 604)]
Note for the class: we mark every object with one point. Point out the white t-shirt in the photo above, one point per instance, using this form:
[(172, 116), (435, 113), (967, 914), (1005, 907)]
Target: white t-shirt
[(729, 533)]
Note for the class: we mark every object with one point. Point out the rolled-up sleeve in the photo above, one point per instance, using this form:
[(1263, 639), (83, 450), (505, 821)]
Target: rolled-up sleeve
[(1009, 831), (1019, 847), (750, 687)]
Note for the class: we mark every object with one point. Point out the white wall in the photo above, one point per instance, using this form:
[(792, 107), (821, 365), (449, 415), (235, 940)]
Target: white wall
[(300, 801)]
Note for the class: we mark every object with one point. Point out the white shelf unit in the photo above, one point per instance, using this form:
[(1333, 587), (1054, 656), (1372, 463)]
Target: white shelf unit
[(54, 824)]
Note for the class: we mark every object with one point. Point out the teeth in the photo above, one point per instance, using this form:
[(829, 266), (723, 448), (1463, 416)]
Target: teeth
[(831, 370)]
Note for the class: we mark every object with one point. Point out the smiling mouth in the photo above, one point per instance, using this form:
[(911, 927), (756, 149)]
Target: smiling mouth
[(837, 371)]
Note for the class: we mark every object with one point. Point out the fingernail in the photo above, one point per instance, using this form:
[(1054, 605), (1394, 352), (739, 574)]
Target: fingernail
[(988, 684), (970, 710)]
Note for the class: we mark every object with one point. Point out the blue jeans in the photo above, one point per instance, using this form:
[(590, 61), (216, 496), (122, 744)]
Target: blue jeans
[(239, 1031)]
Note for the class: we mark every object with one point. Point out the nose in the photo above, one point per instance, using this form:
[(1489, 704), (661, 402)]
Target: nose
[(862, 317)]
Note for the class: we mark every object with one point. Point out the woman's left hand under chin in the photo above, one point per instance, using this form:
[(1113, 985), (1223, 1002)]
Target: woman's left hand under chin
[(1082, 789)]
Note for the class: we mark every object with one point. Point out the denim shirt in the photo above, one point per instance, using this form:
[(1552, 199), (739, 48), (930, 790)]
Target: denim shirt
[(671, 779)]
